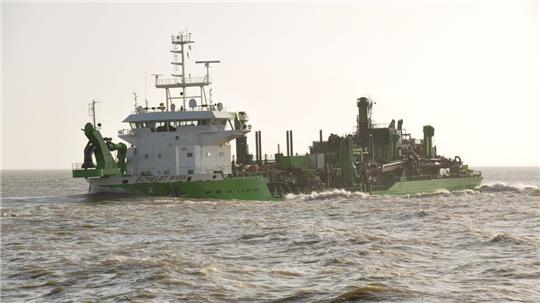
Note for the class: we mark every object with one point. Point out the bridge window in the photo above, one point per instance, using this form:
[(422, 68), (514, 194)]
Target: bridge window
[(189, 123), (160, 127), (136, 125), (163, 126)]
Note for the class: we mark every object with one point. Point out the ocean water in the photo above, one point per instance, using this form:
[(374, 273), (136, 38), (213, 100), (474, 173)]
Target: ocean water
[(61, 245)]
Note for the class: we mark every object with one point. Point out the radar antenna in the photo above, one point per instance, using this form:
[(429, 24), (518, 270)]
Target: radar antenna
[(207, 65), (207, 79)]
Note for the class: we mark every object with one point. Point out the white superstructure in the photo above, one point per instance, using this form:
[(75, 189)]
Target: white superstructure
[(172, 139)]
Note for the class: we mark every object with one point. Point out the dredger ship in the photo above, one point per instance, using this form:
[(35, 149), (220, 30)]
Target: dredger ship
[(185, 151)]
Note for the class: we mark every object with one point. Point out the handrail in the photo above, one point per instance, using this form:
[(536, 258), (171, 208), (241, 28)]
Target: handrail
[(125, 132), (181, 37), (187, 80)]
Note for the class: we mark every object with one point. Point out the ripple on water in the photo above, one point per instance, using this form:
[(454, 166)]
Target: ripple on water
[(372, 292)]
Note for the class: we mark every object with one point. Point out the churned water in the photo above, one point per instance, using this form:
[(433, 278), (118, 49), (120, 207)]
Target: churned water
[(61, 245)]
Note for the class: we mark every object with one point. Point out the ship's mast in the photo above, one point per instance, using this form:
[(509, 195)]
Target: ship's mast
[(181, 42)]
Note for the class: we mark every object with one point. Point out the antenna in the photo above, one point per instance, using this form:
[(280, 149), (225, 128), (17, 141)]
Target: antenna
[(207, 65), (145, 75), (135, 98), (92, 111), (207, 77)]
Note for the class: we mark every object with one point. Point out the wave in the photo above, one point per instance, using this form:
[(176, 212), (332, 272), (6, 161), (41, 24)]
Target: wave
[(329, 194), (503, 187), (45, 199), (436, 192), (371, 292), (86, 197), (496, 186), (122, 260), (506, 238)]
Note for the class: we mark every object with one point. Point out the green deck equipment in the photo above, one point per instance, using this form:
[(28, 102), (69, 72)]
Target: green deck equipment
[(101, 149), (429, 131), (348, 169), (291, 162)]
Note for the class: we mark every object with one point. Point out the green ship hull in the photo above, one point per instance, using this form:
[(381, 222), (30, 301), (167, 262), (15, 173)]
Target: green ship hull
[(413, 187), (240, 188), (255, 188)]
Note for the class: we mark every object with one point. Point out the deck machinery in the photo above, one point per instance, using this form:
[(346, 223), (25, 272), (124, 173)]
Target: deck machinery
[(378, 160)]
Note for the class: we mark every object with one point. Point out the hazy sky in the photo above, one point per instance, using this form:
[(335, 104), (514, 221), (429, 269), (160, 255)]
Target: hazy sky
[(469, 69)]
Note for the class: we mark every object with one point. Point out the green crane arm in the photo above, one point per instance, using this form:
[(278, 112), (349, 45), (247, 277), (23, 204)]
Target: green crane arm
[(101, 149), (104, 158)]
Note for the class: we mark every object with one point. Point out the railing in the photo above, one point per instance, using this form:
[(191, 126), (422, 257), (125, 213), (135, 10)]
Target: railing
[(181, 37), (125, 132), (187, 80)]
